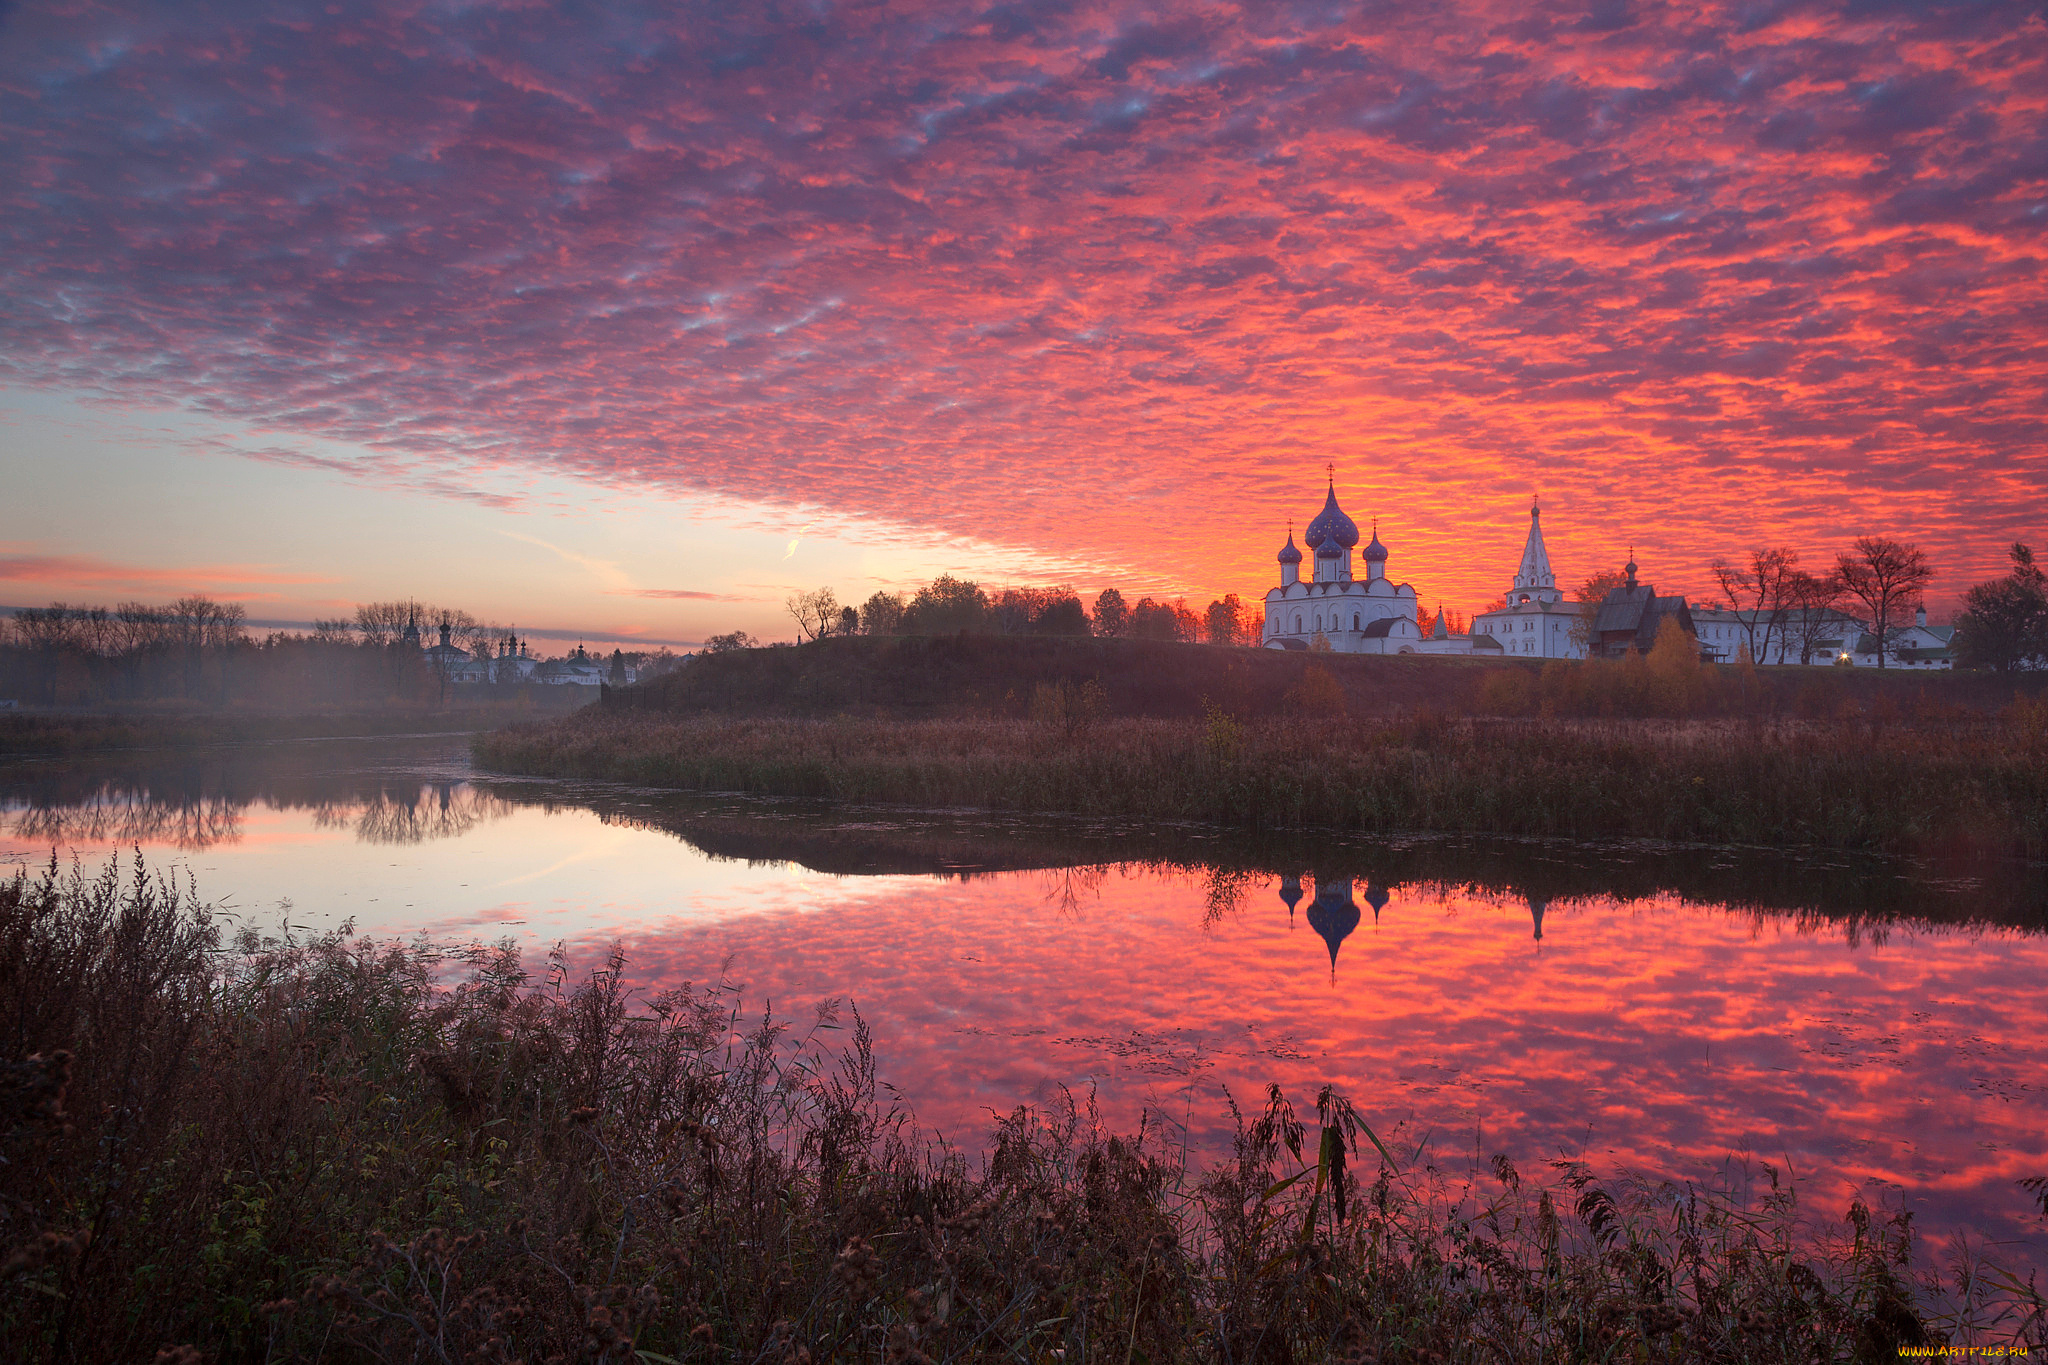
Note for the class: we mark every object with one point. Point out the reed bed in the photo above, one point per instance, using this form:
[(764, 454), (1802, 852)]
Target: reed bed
[(1851, 784), (272, 1150), (43, 734)]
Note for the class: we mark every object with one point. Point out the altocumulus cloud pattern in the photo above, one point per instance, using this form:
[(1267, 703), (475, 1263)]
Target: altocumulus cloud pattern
[(1080, 274)]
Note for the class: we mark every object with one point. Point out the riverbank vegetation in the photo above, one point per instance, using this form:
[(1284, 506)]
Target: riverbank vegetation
[(276, 1150), (1656, 746), (63, 735), (1850, 784), (982, 676)]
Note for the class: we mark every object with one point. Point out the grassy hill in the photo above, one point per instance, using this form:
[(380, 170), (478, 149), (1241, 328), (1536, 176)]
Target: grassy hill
[(994, 675)]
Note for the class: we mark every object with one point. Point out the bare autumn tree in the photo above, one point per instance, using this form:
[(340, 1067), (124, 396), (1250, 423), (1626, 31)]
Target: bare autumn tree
[(1812, 605), (1756, 593), (814, 612), (383, 621), (1887, 577)]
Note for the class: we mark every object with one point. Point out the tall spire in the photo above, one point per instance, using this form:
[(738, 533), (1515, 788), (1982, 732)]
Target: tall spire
[(1535, 570)]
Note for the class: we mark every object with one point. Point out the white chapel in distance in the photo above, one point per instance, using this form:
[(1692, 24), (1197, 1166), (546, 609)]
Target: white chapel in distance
[(1536, 621)]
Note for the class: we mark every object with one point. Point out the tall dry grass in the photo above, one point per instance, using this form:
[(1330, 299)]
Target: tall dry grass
[(334, 1150), (1864, 783)]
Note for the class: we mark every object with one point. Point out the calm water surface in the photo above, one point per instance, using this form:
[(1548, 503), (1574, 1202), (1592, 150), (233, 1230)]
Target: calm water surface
[(1877, 1028)]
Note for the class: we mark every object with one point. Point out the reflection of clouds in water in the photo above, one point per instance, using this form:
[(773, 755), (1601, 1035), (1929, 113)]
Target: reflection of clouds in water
[(1653, 1035), (440, 810), (112, 816)]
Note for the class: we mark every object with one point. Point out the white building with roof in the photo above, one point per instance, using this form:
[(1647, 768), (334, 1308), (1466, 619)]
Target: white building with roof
[(1535, 622), (1373, 615), (1822, 638)]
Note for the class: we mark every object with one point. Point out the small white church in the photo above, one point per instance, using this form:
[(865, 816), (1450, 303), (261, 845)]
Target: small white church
[(1533, 619), (1370, 616)]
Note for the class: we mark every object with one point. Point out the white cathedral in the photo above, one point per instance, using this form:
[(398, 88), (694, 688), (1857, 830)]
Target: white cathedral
[(1378, 616), (1375, 616)]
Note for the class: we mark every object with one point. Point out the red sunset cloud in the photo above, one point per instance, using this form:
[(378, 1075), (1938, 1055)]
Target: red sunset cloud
[(1097, 279)]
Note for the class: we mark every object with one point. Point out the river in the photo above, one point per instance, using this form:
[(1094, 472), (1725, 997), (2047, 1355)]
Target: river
[(1871, 1028)]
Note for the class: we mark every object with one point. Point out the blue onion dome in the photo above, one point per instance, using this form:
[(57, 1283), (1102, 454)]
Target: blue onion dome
[(1330, 549), (1288, 554), (1376, 553), (1331, 524)]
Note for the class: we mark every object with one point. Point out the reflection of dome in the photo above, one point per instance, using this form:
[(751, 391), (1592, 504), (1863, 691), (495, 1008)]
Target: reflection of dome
[(1377, 898), (1331, 524), (1333, 914), (1537, 905), (1290, 891), (1288, 554)]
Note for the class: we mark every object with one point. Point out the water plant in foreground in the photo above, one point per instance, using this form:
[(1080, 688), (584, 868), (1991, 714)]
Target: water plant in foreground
[(268, 1149)]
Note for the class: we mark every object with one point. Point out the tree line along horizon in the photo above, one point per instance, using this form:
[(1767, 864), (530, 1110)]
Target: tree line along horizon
[(2002, 624), (199, 649)]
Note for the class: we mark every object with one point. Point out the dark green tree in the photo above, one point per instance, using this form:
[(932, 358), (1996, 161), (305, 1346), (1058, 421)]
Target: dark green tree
[(2004, 623), (882, 614), (1112, 614), (947, 605)]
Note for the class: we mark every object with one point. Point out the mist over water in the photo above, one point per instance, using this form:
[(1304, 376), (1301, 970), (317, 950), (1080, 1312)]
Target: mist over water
[(1872, 1027)]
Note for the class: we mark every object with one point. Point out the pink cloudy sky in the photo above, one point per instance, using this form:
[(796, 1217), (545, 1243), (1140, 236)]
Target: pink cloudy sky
[(635, 316)]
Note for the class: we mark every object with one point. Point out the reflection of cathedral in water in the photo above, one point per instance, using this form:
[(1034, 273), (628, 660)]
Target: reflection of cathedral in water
[(1333, 913)]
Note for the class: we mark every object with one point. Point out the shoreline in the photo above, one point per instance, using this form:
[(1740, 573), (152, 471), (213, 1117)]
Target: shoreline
[(1976, 786), (55, 734)]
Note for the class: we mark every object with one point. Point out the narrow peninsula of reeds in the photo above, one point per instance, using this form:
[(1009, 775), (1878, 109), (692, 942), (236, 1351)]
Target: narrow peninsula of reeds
[(263, 1150), (1978, 782)]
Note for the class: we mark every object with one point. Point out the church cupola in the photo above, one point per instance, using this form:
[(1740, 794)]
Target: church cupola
[(1290, 561), (1330, 556), (1331, 524), (1375, 557)]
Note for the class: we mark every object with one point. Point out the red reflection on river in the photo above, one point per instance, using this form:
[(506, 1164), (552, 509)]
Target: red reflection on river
[(1647, 1035)]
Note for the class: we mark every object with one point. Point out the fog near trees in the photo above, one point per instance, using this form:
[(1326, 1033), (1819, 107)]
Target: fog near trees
[(199, 652)]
